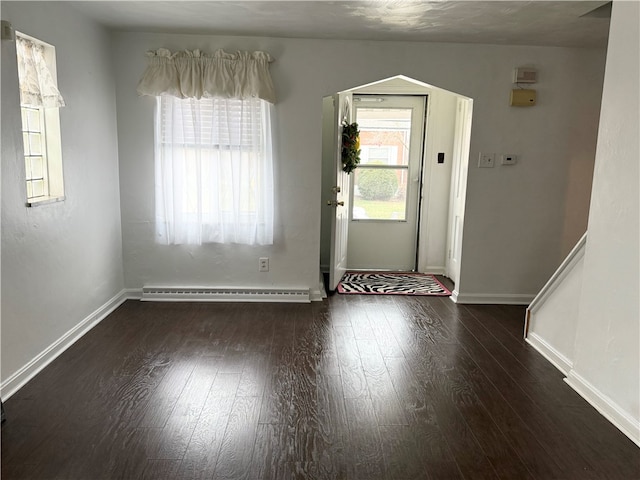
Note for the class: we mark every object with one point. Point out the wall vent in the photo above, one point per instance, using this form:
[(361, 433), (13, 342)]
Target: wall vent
[(210, 294)]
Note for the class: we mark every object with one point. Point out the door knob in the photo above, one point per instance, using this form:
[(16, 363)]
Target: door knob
[(333, 203)]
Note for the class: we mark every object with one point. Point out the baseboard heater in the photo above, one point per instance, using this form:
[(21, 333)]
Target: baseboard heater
[(224, 294)]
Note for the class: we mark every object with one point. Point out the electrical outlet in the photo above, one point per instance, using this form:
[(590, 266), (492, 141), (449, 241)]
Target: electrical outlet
[(486, 160), (263, 264)]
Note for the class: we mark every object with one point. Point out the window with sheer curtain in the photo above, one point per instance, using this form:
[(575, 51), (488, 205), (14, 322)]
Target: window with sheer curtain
[(40, 100), (213, 147)]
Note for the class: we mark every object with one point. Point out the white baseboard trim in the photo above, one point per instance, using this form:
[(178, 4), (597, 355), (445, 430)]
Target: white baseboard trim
[(566, 267), (491, 298), (435, 270), (607, 407), (318, 294), (20, 378), (558, 360), (133, 293)]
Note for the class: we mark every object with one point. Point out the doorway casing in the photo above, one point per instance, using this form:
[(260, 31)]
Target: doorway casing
[(442, 111)]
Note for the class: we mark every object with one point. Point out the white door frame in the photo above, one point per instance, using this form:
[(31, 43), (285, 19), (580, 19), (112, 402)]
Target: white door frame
[(458, 189), (396, 85)]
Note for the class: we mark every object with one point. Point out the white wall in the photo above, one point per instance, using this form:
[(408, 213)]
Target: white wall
[(607, 346), (63, 261), (516, 215)]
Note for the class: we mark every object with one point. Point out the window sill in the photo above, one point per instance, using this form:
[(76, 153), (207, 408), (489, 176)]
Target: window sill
[(36, 202)]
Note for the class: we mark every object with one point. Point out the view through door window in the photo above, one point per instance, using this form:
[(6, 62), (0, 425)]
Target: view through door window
[(380, 182)]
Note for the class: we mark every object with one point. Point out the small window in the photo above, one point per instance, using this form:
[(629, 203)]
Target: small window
[(40, 101)]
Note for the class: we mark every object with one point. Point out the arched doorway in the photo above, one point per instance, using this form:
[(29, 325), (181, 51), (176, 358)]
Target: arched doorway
[(442, 178)]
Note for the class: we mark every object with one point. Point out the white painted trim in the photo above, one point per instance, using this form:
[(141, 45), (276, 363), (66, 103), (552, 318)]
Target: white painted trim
[(224, 294), (575, 255), (435, 270), (607, 407), (133, 293), (558, 360), (317, 295), (491, 298), (320, 293), (20, 378)]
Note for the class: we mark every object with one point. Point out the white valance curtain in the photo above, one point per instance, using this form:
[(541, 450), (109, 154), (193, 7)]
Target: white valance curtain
[(193, 74), (213, 146), (37, 85)]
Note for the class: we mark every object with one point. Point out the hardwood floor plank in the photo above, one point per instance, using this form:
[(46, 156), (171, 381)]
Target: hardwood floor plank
[(278, 391), (202, 452), (381, 390), (593, 428), (365, 445), (236, 451), (160, 470), (387, 343), (158, 409), (354, 383), (181, 423), (435, 453), (272, 452), (253, 379), (354, 387), (333, 427), (359, 310), (565, 458), (400, 451), (513, 428)]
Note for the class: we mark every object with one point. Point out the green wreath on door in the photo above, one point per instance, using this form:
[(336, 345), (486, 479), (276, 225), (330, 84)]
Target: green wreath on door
[(350, 147)]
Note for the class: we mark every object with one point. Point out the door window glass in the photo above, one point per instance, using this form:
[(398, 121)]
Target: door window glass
[(380, 181)]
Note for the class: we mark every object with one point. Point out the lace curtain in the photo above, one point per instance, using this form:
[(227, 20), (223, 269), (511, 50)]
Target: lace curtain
[(37, 86), (213, 146)]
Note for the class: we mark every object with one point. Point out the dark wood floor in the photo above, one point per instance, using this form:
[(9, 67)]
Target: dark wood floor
[(355, 387)]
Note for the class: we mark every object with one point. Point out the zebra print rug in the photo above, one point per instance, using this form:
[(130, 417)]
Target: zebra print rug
[(387, 283)]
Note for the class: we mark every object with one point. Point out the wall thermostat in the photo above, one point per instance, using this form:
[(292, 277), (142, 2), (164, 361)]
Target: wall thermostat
[(525, 75)]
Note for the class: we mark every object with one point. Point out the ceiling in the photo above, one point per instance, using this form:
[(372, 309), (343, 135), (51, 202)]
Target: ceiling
[(546, 23)]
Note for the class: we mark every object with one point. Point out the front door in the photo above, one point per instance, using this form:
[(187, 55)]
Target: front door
[(385, 190), (339, 201)]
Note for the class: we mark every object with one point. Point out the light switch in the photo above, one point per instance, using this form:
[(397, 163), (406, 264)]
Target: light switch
[(509, 159)]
